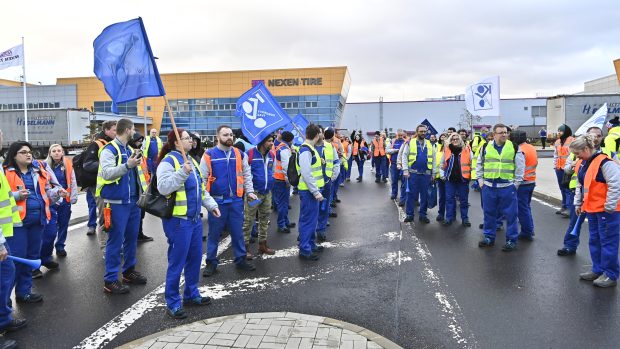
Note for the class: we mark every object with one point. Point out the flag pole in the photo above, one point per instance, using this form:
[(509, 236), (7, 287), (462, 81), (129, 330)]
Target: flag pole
[(145, 131), (297, 128), (24, 84), (174, 127)]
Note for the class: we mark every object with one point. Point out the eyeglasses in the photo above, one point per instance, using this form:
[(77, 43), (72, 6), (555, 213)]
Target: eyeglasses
[(25, 152), (186, 138)]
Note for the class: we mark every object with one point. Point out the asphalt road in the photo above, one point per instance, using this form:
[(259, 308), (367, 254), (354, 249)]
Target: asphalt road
[(422, 286)]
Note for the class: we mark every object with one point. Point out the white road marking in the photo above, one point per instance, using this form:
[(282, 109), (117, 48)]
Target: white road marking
[(121, 322), (77, 226), (544, 203), (448, 304)]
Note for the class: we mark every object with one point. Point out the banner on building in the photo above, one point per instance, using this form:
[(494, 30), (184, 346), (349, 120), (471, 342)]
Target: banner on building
[(260, 113), (12, 57), (597, 120), (125, 64), (482, 98)]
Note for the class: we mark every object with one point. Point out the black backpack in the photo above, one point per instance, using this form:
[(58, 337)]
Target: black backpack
[(78, 167), (291, 171)]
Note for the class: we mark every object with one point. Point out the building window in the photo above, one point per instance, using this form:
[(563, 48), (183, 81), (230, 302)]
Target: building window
[(524, 108), (312, 104)]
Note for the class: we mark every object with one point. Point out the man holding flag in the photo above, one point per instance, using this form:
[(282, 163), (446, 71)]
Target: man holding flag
[(125, 64)]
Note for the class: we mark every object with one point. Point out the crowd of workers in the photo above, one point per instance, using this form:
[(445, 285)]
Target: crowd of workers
[(239, 184)]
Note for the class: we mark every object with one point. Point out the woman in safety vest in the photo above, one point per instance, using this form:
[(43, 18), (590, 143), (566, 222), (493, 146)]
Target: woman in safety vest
[(455, 171), (598, 196), (359, 152), (34, 188), (184, 228), (56, 229)]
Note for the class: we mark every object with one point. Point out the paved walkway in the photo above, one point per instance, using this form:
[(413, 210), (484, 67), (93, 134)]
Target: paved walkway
[(265, 330)]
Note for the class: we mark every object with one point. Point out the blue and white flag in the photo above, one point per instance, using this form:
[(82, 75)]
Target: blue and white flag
[(301, 124), (482, 98), (124, 63), (597, 120), (430, 129), (260, 113)]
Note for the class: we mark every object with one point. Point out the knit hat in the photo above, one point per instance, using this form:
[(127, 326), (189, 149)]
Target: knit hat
[(614, 122)]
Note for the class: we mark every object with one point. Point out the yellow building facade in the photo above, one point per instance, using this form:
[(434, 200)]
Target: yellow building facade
[(204, 100)]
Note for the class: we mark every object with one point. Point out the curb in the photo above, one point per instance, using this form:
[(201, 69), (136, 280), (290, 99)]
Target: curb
[(369, 335), (78, 220), (548, 198)]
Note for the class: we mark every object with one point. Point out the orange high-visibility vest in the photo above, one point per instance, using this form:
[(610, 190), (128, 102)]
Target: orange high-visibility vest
[(465, 160), (238, 169), (357, 146), (345, 147), (562, 151), (14, 180), (595, 193), (379, 147), (531, 161), (145, 170), (279, 171), (68, 171)]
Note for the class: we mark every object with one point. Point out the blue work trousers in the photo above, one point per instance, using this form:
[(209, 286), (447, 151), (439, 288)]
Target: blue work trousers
[(25, 243), (232, 218), (441, 198), (184, 253), (500, 203), (324, 209), (604, 239), (123, 235), (395, 177), (559, 173), (55, 230), (452, 190), (7, 277), (281, 198), (360, 165), (524, 199), (572, 241), (418, 188), (308, 218), (350, 160), (92, 208), (378, 162)]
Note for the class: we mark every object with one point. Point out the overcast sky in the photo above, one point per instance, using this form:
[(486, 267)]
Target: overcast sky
[(401, 50)]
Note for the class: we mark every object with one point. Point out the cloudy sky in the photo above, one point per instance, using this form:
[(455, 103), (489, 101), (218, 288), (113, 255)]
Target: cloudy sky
[(401, 50)]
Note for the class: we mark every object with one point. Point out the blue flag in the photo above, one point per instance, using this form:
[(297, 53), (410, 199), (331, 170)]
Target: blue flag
[(301, 124), (430, 130), (124, 63), (260, 113)]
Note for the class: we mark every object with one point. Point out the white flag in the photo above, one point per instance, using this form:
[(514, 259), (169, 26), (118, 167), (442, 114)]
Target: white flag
[(482, 98), (12, 57), (598, 120)]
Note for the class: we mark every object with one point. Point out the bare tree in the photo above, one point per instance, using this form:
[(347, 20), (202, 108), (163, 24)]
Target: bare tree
[(467, 120)]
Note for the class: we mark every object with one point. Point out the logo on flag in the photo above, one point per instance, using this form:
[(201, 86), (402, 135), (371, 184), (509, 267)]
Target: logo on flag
[(482, 98), (260, 113), (597, 120), (301, 124), (124, 63), (12, 57)]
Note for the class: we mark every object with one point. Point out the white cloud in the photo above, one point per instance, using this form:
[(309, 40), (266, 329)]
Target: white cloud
[(397, 49)]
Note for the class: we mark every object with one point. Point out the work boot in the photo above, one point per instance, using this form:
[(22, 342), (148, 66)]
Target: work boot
[(466, 223), (284, 230), (37, 274), (263, 248), (90, 231), (565, 252), (589, 276), (333, 214), (29, 298), (51, 265), (486, 242), (210, 269), (144, 238), (177, 313), (424, 220), (115, 287), (509, 246), (292, 225), (604, 281), (245, 266), (408, 219), (133, 276), (14, 325), (439, 219)]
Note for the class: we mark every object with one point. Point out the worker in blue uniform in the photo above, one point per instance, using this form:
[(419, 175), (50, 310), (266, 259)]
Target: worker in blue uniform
[(331, 170), (500, 169), (228, 178), (395, 173), (281, 186), (184, 229), (419, 169), (311, 182), (120, 181)]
